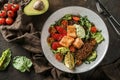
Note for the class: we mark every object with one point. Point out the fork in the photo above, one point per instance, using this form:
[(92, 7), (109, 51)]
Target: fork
[(110, 18)]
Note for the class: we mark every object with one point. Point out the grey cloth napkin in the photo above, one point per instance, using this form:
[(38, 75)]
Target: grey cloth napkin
[(49, 72), (23, 32)]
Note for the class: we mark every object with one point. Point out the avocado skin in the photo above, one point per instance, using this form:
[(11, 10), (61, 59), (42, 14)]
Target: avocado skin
[(29, 10)]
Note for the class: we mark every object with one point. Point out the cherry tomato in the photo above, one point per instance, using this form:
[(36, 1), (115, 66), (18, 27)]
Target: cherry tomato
[(7, 6), (72, 49), (10, 13), (64, 22), (93, 29), (76, 18), (9, 21), (15, 7), (59, 56), (2, 21), (2, 13)]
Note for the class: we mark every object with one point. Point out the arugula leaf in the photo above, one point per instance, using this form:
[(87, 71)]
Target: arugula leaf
[(5, 59), (87, 36), (22, 63), (85, 22)]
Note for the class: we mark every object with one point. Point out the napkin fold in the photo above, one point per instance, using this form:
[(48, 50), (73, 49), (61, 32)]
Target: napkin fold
[(42, 66), (23, 32)]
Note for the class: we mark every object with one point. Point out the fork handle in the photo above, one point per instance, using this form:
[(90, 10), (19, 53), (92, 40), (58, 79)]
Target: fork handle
[(114, 20), (108, 13), (113, 26)]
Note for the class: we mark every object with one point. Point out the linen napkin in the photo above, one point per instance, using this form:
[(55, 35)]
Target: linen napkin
[(22, 31), (43, 67)]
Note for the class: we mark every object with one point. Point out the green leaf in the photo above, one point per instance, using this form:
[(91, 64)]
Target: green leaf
[(67, 17), (5, 59), (98, 37), (88, 24), (22, 63), (91, 58), (58, 22), (85, 22), (62, 50), (87, 36)]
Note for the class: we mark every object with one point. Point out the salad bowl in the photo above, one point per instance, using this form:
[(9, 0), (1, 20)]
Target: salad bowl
[(94, 18)]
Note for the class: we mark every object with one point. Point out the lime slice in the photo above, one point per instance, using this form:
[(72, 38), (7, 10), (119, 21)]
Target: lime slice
[(69, 60)]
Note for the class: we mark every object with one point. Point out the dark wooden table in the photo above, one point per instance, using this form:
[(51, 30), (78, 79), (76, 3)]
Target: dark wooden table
[(113, 52)]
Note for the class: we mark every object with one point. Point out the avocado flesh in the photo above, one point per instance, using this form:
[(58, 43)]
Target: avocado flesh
[(29, 10)]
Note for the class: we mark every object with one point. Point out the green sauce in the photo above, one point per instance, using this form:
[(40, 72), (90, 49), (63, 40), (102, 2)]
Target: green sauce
[(80, 31)]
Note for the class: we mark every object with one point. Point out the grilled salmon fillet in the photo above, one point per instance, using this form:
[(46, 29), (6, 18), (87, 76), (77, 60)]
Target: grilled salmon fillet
[(71, 31)]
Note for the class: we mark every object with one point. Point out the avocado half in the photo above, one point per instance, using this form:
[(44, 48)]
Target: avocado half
[(30, 10)]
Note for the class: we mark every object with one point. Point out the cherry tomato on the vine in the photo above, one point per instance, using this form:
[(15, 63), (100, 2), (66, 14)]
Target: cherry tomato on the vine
[(2, 21), (15, 7), (2, 13), (9, 21), (10, 13), (7, 6)]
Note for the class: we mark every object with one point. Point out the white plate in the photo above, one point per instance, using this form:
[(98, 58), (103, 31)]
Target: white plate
[(93, 17)]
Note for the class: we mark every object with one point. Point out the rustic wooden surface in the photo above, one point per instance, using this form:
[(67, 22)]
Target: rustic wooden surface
[(113, 52)]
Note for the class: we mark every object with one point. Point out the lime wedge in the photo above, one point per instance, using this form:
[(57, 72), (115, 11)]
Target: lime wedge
[(69, 60)]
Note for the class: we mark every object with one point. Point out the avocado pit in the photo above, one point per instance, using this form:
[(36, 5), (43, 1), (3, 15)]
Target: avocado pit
[(38, 5)]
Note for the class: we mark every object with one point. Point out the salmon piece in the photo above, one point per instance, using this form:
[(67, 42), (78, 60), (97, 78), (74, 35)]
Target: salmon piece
[(71, 31), (66, 41), (78, 43)]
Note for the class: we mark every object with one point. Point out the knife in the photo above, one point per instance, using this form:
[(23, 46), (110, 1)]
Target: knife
[(101, 8)]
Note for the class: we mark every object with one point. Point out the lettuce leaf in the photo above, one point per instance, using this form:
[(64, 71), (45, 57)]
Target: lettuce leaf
[(22, 63), (5, 59), (98, 37), (62, 50)]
